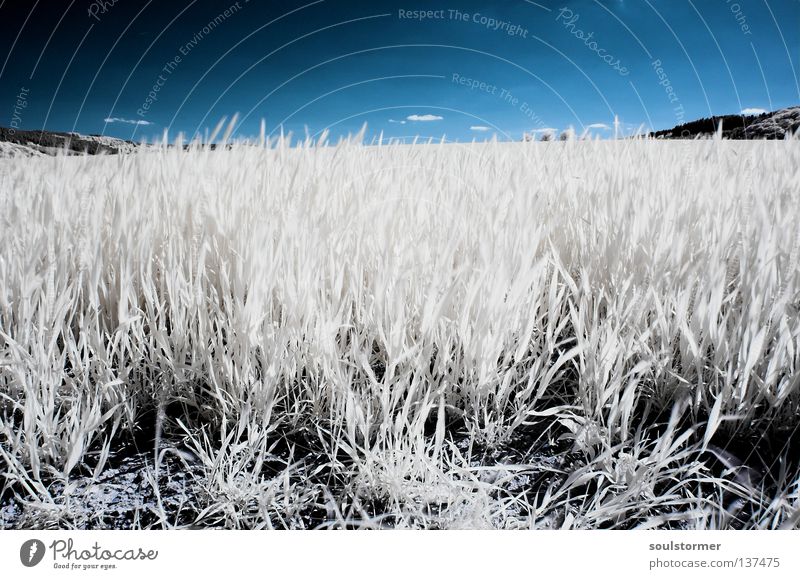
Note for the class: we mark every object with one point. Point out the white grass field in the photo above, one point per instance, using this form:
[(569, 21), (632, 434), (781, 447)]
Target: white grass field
[(502, 335)]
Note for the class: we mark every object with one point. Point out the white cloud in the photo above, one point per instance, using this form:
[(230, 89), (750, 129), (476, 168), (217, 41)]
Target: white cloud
[(545, 130), (128, 121), (398, 122), (603, 126), (479, 128), (753, 111), (424, 118)]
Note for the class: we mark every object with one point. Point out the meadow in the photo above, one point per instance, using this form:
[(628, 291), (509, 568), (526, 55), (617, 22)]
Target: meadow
[(576, 335)]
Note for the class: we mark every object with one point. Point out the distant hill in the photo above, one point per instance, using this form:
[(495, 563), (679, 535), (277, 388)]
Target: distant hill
[(17, 143), (33, 143), (774, 125)]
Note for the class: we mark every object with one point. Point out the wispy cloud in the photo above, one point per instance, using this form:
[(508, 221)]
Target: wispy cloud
[(479, 128), (603, 126), (424, 118), (753, 111), (545, 130), (398, 122), (128, 121)]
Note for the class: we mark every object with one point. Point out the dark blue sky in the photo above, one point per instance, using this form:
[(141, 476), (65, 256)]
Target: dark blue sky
[(463, 69)]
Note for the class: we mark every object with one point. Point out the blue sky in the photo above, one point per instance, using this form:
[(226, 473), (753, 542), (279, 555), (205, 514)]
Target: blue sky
[(134, 68)]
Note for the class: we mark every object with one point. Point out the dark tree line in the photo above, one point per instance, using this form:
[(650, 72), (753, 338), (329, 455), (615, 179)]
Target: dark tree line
[(733, 126)]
